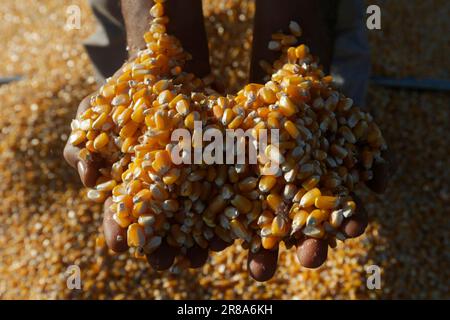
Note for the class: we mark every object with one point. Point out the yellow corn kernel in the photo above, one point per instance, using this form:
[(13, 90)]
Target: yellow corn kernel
[(218, 111), (236, 122), (189, 120), (367, 159), (299, 220), (129, 129), (338, 151), (157, 28), (182, 107), (106, 186), (142, 195), (298, 196), (326, 202), (311, 182), (273, 153), (248, 184), (152, 244), (77, 137), (227, 117), (91, 135), (273, 123), (309, 197), (123, 222), (280, 226), (116, 113), (108, 90), (301, 51), (172, 176), (162, 162), (349, 208), (242, 204), (157, 10), (263, 112), (140, 208), (160, 121), (240, 230), (336, 218), (287, 107), (274, 201), (291, 55), (267, 183), (316, 217), (291, 129), (158, 192), (267, 95), (222, 233), (100, 121), (177, 234), (161, 85), (138, 114), (124, 117), (269, 243), (351, 204), (127, 144), (315, 232), (347, 133), (135, 235), (101, 141), (96, 195), (133, 187)]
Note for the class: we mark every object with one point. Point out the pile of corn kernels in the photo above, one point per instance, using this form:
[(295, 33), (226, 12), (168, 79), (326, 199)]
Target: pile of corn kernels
[(326, 147), (46, 225)]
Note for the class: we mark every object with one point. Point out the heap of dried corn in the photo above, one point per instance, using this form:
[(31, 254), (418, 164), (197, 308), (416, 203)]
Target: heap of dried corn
[(327, 146), (48, 225)]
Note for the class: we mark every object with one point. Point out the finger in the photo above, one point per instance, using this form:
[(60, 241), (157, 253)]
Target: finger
[(312, 253), (216, 244), (197, 256), (88, 172), (382, 172), (87, 168), (187, 19), (70, 151), (115, 236), (71, 154), (163, 257), (270, 19), (262, 264), (84, 105), (355, 225)]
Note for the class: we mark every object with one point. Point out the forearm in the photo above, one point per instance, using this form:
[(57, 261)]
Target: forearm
[(186, 23), (271, 17)]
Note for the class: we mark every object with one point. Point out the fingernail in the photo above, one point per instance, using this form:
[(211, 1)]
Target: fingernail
[(81, 166), (197, 256), (312, 253), (355, 226), (262, 265)]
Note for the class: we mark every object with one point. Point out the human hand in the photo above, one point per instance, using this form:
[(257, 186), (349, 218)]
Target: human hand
[(311, 252)]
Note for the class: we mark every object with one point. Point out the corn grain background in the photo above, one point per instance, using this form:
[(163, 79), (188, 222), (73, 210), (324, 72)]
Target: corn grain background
[(46, 223)]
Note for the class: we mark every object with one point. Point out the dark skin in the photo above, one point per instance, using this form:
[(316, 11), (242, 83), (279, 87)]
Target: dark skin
[(186, 20)]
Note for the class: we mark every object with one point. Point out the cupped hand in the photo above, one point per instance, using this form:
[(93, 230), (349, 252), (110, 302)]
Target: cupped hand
[(311, 252), (164, 256), (87, 168)]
